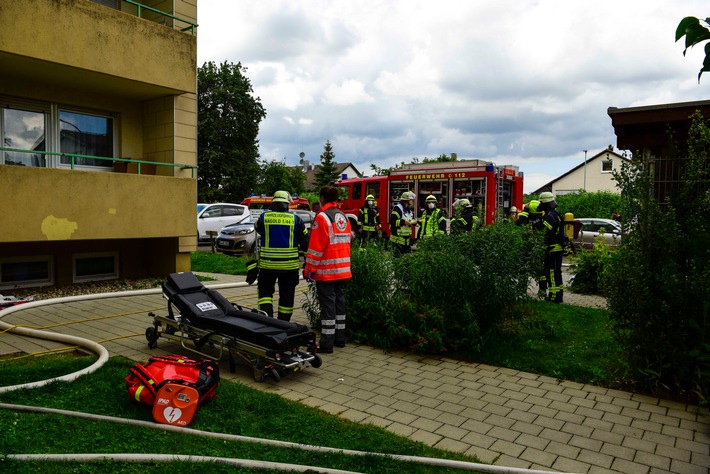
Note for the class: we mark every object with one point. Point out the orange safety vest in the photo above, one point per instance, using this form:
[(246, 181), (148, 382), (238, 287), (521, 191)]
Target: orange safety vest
[(328, 256)]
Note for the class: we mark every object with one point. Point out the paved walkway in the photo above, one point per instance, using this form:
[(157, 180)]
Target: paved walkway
[(503, 416)]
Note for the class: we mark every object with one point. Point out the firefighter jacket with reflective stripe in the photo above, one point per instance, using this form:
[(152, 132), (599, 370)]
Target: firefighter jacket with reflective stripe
[(532, 218), (554, 231), (328, 256), (368, 218), (466, 222), (280, 235), (400, 233), (433, 222)]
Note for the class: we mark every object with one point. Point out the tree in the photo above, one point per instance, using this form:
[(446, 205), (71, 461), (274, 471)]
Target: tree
[(276, 175), (327, 173), (695, 33), (227, 127)]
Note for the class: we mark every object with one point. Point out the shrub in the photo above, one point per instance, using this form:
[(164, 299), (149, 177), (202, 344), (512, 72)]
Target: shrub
[(588, 268), (445, 295), (585, 204), (658, 280)]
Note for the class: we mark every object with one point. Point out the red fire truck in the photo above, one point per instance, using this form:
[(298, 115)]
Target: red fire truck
[(259, 204), (492, 189)]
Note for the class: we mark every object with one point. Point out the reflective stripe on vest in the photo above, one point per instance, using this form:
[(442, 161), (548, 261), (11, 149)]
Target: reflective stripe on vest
[(333, 263), (279, 248)]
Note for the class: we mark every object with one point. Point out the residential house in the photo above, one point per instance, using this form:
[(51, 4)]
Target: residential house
[(99, 139), (592, 175)]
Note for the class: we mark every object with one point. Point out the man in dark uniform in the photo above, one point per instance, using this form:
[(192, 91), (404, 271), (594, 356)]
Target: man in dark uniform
[(553, 225), (281, 235)]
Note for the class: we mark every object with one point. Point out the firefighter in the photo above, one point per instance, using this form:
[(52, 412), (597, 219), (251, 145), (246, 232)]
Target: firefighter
[(553, 225), (465, 219), (368, 221), (531, 215), (281, 235), (401, 223), (513, 214), (328, 264), (432, 218)]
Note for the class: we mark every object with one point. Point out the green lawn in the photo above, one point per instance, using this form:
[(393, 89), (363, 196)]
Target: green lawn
[(237, 409)]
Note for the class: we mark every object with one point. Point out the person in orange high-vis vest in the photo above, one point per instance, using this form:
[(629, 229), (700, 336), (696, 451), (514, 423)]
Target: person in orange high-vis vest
[(328, 264)]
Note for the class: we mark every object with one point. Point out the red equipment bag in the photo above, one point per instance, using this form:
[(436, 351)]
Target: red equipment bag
[(174, 385)]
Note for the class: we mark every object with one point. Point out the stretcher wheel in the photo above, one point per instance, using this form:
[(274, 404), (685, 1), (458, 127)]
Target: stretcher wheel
[(275, 375), (151, 336), (317, 361), (259, 371)]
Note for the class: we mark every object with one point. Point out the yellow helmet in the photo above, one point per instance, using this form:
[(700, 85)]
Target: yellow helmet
[(282, 196)]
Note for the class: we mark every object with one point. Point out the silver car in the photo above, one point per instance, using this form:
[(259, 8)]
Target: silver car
[(237, 239), (608, 230)]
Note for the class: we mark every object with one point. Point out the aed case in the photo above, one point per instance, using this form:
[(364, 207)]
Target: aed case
[(175, 404)]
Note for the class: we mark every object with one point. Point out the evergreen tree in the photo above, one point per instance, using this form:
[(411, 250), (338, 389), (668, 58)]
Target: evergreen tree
[(327, 173), (227, 127)]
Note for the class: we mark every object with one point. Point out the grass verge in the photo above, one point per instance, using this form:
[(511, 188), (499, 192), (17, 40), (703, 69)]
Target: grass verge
[(561, 341), (218, 263), (237, 409)]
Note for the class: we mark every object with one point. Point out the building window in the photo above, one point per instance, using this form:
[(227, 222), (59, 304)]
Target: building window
[(19, 272), (607, 166), (84, 134), (95, 266), (22, 130), (29, 125)]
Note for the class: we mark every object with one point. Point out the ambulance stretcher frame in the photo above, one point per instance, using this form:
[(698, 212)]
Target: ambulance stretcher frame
[(200, 318)]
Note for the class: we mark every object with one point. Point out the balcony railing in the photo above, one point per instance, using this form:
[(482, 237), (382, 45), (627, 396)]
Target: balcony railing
[(73, 157), (191, 26)]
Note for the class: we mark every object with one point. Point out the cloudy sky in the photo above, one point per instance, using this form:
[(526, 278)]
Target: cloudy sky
[(521, 82)]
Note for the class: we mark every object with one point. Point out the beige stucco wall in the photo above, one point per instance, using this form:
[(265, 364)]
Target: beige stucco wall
[(596, 180), (58, 204), (90, 58), (83, 35)]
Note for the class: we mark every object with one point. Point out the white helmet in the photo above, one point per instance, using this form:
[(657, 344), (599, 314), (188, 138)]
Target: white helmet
[(407, 196)]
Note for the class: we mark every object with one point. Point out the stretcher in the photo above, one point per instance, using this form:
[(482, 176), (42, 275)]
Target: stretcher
[(206, 323)]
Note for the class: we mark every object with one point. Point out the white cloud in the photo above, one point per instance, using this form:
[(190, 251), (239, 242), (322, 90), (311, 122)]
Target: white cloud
[(522, 82)]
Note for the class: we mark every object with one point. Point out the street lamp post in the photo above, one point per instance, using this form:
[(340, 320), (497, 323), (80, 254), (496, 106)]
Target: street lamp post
[(585, 169)]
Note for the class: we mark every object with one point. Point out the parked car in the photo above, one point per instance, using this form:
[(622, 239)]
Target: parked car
[(594, 228), (238, 239), (306, 216), (212, 217)]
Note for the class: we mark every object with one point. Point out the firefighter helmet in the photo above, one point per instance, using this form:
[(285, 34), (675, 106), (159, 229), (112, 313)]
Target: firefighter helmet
[(547, 201), (370, 197), (407, 196), (281, 196), (431, 198), (463, 203), (532, 206)]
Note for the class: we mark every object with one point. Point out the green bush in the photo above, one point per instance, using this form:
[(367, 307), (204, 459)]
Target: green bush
[(588, 268), (657, 282), (600, 204), (444, 296)]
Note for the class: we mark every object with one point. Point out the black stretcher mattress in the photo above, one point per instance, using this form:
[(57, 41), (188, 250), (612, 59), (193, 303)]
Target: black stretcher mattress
[(209, 310)]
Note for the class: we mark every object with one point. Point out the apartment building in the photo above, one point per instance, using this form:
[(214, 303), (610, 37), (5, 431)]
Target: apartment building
[(98, 162)]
